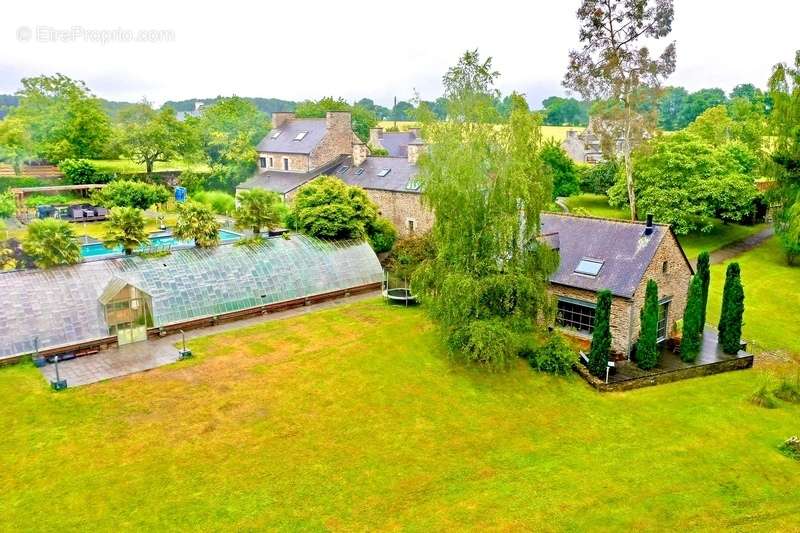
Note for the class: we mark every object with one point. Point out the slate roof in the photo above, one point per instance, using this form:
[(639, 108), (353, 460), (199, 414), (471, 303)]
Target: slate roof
[(622, 246), (396, 143), (60, 306), (285, 143), (282, 182), (401, 172)]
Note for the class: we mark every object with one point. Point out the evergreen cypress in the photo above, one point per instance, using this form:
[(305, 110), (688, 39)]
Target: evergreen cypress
[(601, 335), (730, 320), (704, 273), (647, 346), (692, 320)]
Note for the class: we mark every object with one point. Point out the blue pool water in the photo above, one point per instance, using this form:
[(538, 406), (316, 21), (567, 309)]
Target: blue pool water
[(157, 242)]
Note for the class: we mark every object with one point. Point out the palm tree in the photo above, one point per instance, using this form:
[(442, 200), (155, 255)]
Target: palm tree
[(126, 229), (257, 209), (51, 242), (196, 221)]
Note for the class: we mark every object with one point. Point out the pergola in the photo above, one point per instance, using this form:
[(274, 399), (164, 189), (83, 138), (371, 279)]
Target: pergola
[(20, 192)]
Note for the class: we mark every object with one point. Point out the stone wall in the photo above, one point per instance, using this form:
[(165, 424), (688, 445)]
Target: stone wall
[(297, 162), (400, 207), (620, 317), (672, 284)]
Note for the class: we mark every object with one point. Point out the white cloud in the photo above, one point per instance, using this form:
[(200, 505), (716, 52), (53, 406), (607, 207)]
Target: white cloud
[(356, 48)]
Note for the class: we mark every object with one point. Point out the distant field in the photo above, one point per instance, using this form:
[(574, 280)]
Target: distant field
[(559, 133), (127, 166)]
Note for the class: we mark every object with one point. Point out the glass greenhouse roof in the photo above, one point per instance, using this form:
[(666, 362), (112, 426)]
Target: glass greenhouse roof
[(62, 305)]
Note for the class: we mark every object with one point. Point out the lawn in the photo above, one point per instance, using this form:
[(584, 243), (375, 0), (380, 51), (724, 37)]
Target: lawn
[(127, 166), (596, 205), (354, 419), (771, 300)]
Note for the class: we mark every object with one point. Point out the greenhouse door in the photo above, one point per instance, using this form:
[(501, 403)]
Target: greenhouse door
[(127, 311)]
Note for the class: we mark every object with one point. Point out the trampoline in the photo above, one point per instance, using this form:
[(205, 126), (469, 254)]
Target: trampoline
[(400, 294)]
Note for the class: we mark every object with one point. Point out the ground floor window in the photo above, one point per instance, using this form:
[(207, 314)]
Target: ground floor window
[(575, 314), (411, 223), (663, 316), (262, 161)]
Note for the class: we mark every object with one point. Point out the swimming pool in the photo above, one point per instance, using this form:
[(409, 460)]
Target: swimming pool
[(158, 241)]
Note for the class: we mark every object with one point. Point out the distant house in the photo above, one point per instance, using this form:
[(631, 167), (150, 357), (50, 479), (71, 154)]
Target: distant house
[(198, 110), (621, 256), (395, 143), (298, 150), (586, 146)]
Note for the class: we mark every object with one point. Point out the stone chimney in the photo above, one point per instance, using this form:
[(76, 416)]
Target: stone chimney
[(360, 153), (279, 118), (338, 121), (375, 135), (417, 133), (415, 149)]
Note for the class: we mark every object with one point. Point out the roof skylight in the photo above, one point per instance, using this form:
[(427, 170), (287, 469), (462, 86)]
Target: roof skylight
[(343, 169), (383, 172), (413, 184), (589, 267), (300, 136), (275, 134), (359, 171)]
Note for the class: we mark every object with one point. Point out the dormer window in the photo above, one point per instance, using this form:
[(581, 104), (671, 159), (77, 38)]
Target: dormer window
[(300, 136), (275, 134), (384, 172), (589, 267)]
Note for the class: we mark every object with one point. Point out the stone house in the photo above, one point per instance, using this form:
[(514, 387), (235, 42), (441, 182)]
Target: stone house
[(298, 150), (620, 256), (583, 147)]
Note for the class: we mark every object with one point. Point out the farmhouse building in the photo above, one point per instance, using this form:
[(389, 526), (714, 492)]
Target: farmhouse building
[(298, 150), (620, 256)]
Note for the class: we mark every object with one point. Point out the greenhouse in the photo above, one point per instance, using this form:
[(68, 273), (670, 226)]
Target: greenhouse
[(124, 298)]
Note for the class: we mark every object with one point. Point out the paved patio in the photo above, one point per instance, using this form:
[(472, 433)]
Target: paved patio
[(145, 355)]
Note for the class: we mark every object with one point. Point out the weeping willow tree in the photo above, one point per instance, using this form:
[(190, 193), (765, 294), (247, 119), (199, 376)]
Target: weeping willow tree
[(486, 286)]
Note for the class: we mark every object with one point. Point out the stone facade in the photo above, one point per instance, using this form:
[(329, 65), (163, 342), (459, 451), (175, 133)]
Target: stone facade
[(338, 140), (404, 210), (297, 162), (673, 286)]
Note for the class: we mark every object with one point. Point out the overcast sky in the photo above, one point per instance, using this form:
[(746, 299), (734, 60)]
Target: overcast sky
[(353, 48)]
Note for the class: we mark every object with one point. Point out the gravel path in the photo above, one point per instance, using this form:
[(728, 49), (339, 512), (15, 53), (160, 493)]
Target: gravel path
[(733, 249)]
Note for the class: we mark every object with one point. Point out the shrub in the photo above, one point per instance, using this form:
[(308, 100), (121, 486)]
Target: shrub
[(704, 273), (328, 208), (51, 242), (562, 169), (136, 194), (646, 347), (788, 390), (730, 321), (219, 202), (377, 151), (601, 336), (409, 252), (382, 235), (597, 179), (80, 172), (762, 397), (791, 448), (18, 182), (7, 205), (555, 356)]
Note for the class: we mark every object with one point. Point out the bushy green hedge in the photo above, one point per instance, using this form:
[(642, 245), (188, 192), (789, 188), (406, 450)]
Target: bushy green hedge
[(382, 235), (555, 356), (21, 181), (220, 202)]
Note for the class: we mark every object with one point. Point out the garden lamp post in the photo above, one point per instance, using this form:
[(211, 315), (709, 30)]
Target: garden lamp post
[(183, 353), (58, 384)]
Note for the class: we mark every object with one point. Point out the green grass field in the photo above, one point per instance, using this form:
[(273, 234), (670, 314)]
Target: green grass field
[(722, 234), (771, 298), (354, 419)]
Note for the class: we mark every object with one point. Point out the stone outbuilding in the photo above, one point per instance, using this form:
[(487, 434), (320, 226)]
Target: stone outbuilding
[(620, 256)]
